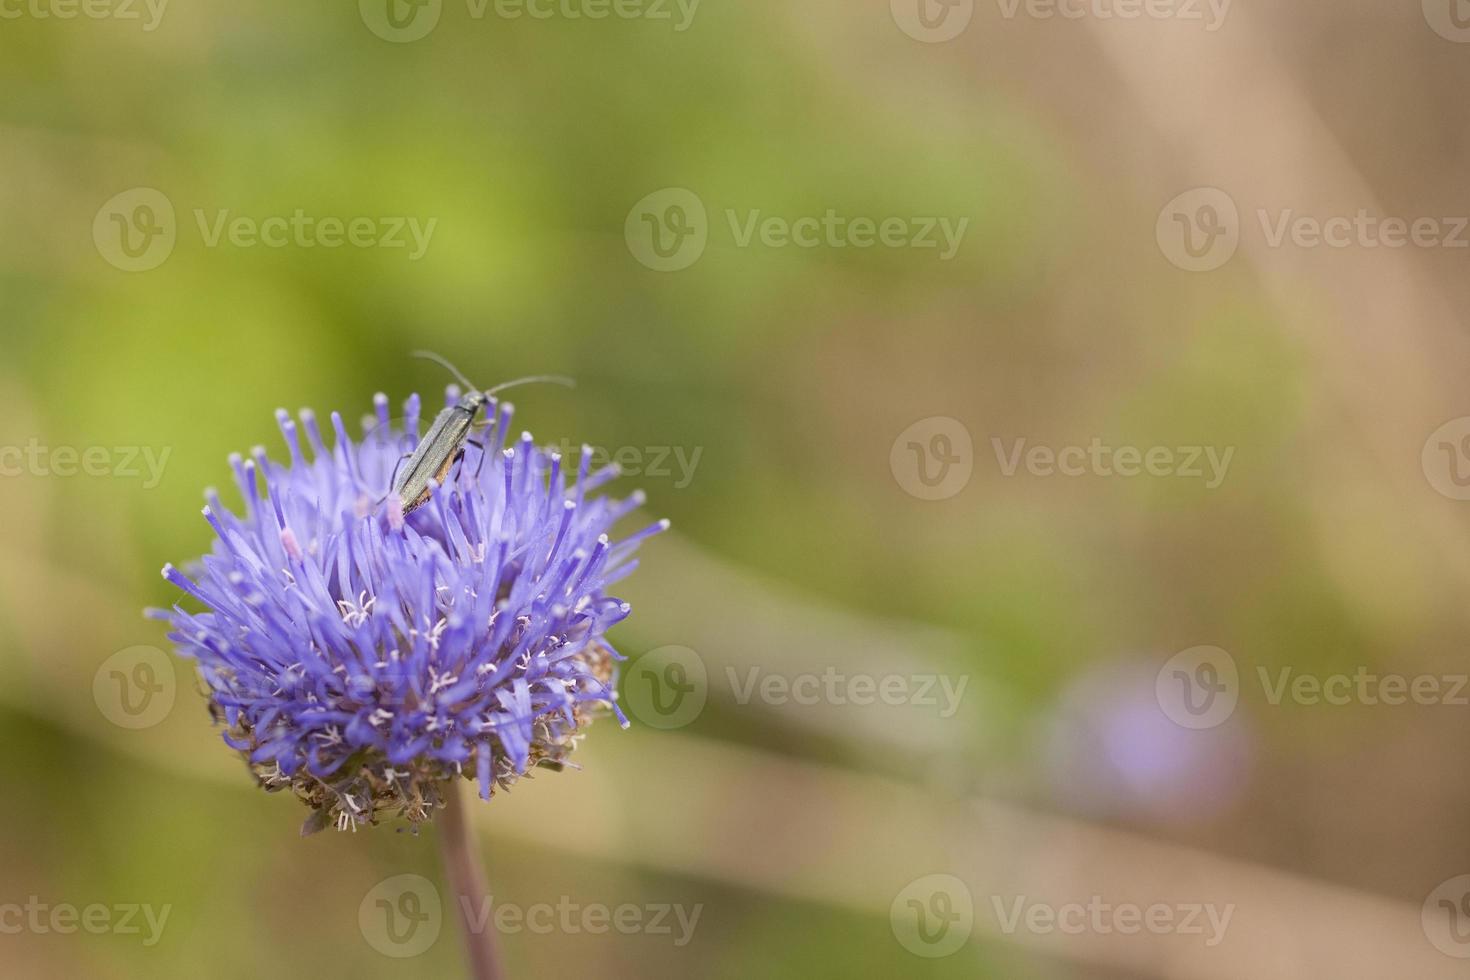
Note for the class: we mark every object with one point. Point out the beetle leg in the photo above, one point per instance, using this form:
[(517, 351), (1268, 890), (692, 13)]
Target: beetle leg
[(481, 447), (394, 478)]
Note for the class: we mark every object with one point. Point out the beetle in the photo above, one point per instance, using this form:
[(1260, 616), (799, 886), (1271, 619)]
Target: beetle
[(443, 445)]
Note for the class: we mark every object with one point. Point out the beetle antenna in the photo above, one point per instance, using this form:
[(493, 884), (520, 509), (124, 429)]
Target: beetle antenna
[(556, 379), (429, 355)]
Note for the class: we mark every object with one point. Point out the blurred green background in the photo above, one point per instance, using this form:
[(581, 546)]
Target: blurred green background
[(797, 546)]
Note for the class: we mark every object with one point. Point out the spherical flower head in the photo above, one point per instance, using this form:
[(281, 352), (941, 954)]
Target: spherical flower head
[(363, 657)]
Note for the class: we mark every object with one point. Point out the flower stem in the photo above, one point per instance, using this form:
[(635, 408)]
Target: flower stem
[(468, 888)]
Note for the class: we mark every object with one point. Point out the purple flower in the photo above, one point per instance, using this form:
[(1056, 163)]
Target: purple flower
[(362, 657)]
